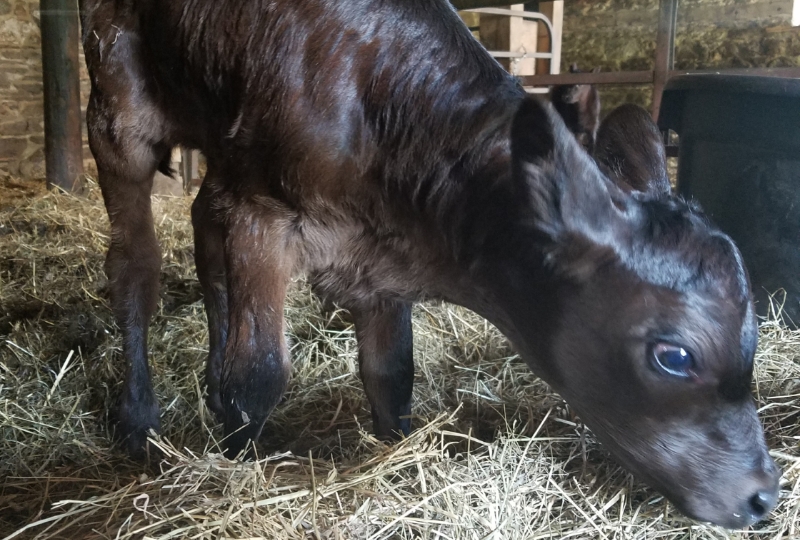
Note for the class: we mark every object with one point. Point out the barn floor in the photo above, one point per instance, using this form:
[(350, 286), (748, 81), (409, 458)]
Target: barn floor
[(495, 455)]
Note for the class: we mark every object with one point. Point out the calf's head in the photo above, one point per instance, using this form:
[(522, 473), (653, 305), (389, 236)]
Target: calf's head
[(642, 319)]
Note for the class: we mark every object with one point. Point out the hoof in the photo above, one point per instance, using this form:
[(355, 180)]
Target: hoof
[(393, 435), (235, 444), (136, 445), (214, 404), (134, 421), (392, 429), (240, 435)]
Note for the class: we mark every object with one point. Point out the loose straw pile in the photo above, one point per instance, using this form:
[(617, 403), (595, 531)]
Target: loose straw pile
[(494, 454)]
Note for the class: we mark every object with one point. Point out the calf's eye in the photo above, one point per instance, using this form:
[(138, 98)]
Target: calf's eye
[(673, 360)]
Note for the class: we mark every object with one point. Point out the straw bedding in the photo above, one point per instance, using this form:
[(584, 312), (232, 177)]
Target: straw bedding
[(494, 455)]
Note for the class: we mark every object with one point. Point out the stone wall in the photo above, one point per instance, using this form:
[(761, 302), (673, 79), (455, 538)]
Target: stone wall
[(21, 120), (620, 35), (21, 97)]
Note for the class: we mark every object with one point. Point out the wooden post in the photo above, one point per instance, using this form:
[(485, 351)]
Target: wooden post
[(665, 50), (62, 102)]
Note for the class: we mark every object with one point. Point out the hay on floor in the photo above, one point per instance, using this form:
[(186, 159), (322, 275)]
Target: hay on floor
[(495, 454)]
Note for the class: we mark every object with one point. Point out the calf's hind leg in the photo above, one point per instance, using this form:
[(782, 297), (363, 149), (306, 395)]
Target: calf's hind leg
[(256, 368), (386, 364)]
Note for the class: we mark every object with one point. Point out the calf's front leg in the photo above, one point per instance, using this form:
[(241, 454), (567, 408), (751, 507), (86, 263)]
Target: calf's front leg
[(256, 368), (386, 364), (126, 164)]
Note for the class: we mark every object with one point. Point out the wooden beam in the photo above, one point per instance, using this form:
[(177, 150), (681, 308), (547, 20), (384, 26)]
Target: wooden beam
[(665, 50), (62, 102)]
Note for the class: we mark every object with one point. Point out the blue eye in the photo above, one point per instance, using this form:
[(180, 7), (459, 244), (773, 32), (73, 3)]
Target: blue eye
[(673, 360)]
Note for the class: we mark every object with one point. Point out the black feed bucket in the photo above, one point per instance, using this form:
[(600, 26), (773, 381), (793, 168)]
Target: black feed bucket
[(740, 159)]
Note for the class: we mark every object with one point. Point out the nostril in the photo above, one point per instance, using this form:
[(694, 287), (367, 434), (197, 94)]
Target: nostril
[(760, 504)]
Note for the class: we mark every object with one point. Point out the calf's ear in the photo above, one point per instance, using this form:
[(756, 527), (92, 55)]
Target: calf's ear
[(569, 197), (630, 151)]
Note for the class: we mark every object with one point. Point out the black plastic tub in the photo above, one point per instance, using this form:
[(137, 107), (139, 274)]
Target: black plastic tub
[(740, 159)]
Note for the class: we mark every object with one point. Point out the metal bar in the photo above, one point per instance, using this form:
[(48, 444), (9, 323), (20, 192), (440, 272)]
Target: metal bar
[(665, 50), (477, 4), (646, 77), (609, 77), (511, 13), (62, 102), (784, 72), (521, 14), (556, 17), (506, 54)]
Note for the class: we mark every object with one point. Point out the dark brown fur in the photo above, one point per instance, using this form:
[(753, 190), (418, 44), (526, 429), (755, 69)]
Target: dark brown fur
[(376, 147)]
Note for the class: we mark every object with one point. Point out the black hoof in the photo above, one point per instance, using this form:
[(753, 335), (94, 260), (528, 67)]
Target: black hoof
[(136, 445), (214, 404), (134, 421), (392, 429), (235, 446), (240, 436), (393, 434)]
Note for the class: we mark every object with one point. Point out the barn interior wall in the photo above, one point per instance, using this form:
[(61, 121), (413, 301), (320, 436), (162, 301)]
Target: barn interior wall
[(21, 124), (611, 34), (21, 98), (620, 35)]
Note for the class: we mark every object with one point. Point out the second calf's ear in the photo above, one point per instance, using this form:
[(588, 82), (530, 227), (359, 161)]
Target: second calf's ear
[(630, 151)]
